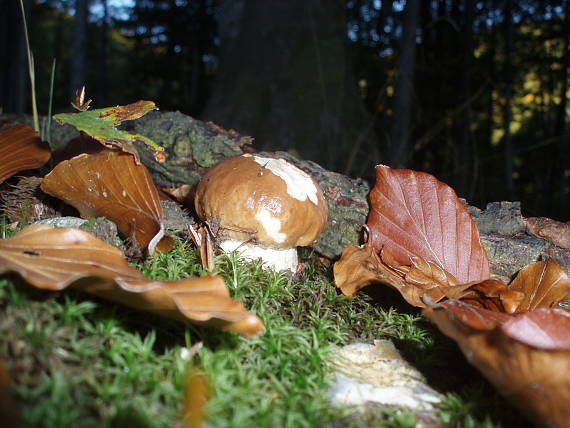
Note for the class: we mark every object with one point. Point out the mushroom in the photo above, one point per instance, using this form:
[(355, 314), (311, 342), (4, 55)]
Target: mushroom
[(263, 207)]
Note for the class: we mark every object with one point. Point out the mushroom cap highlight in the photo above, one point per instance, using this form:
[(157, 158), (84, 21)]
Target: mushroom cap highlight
[(265, 199)]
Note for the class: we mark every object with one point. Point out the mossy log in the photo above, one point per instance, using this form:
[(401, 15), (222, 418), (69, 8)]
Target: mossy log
[(192, 146)]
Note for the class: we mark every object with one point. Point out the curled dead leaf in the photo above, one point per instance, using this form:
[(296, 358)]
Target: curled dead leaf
[(422, 281), (493, 295), (542, 284), (21, 148), (525, 356), (111, 184), (516, 339), (53, 259), (554, 231), (203, 240)]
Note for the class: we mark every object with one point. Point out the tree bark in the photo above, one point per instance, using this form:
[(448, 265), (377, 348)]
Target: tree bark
[(79, 65), (400, 134), (285, 78)]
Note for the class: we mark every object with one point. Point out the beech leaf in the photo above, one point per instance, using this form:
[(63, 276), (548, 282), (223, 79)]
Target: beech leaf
[(554, 231), (53, 259), (414, 215), (543, 285), (493, 295), (21, 148), (111, 184), (422, 281), (101, 125), (515, 337), (428, 243), (525, 356)]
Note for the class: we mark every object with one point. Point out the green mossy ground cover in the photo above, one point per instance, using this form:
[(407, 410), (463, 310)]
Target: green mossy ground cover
[(76, 361)]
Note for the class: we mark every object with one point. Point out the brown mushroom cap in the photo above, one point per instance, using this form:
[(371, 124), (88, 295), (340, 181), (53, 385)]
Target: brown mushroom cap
[(267, 199)]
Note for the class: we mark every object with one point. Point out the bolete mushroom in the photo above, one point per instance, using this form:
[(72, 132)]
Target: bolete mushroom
[(263, 207)]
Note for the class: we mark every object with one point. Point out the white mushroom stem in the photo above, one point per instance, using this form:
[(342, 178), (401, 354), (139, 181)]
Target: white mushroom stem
[(279, 259)]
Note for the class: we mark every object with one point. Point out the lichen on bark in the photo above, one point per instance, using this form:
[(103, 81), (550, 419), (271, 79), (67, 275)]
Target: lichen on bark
[(191, 146), (509, 245)]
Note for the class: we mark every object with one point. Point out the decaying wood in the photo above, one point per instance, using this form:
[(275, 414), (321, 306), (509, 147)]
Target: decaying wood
[(509, 243), (194, 145)]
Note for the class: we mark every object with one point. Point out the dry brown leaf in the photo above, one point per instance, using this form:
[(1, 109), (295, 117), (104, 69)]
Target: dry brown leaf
[(543, 285), (111, 184), (414, 215), (53, 259), (183, 194), (554, 231), (418, 283), (515, 338), (493, 295), (424, 235), (204, 241), (359, 267), (20, 149), (526, 356)]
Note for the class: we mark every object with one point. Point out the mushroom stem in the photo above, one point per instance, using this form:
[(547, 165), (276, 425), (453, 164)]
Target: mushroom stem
[(279, 259)]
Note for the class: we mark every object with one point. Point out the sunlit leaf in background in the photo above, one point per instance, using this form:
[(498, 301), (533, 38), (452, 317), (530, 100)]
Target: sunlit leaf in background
[(53, 259), (101, 125)]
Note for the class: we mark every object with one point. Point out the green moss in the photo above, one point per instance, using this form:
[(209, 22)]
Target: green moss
[(82, 362)]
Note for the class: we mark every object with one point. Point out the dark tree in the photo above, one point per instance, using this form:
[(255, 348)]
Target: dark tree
[(400, 134), (508, 95), (14, 70), (464, 167), (286, 79), (79, 64)]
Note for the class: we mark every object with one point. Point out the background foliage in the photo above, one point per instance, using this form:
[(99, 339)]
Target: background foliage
[(487, 109)]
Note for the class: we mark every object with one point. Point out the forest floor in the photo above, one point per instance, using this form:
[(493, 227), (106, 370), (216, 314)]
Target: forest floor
[(76, 361)]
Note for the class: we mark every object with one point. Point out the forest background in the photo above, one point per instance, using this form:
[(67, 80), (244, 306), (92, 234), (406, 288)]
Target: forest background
[(474, 92)]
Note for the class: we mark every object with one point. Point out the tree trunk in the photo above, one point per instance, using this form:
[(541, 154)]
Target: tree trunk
[(79, 65), (507, 143), (561, 160), (400, 134), (14, 70), (286, 79), (464, 168), (103, 80)]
